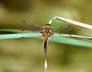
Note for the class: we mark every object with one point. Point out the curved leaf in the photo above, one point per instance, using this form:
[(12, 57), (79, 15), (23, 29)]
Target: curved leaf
[(61, 39), (55, 38)]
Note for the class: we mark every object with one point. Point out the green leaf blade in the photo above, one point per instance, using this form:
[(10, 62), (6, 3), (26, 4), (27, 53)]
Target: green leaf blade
[(61, 39), (20, 35)]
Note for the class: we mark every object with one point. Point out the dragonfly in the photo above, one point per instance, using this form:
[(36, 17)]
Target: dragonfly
[(55, 37), (46, 33)]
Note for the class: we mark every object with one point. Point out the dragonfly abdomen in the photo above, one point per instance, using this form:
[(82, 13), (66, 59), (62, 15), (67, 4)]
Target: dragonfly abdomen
[(45, 44)]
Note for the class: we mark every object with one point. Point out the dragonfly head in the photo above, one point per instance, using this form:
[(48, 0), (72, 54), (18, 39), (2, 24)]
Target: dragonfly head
[(47, 30)]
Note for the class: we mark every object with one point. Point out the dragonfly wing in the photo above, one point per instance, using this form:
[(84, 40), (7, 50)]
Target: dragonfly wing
[(12, 31), (20, 35), (66, 40)]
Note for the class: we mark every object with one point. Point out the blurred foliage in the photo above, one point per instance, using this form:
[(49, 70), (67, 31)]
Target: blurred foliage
[(17, 5)]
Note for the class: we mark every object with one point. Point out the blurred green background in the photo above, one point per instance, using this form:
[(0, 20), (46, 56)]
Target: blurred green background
[(26, 54)]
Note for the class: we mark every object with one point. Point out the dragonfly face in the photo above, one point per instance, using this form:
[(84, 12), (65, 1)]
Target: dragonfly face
[(47, 30)]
